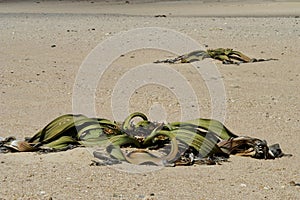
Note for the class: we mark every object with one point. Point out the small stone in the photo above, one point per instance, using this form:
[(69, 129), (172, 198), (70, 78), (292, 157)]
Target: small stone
[(267, 115), (243, 185), (160, 16), (53, 45)]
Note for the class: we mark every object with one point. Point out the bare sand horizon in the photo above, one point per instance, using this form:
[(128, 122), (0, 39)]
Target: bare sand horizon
[(232, 8)]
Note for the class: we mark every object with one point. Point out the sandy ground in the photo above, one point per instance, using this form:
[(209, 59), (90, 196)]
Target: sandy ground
[(42, 46)]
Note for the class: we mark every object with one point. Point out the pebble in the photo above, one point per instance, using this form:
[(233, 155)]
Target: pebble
[(117, 195), (160, 16), (243, 185)]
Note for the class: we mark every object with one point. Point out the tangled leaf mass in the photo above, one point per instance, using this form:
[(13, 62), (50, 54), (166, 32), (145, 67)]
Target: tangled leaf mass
[(140, 141), (227, 56)]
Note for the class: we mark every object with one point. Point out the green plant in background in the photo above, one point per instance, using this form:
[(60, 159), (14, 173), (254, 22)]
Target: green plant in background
[(227, 56)]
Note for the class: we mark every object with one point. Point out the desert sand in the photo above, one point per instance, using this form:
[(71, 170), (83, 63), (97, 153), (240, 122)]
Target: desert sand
[(44, 43)]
